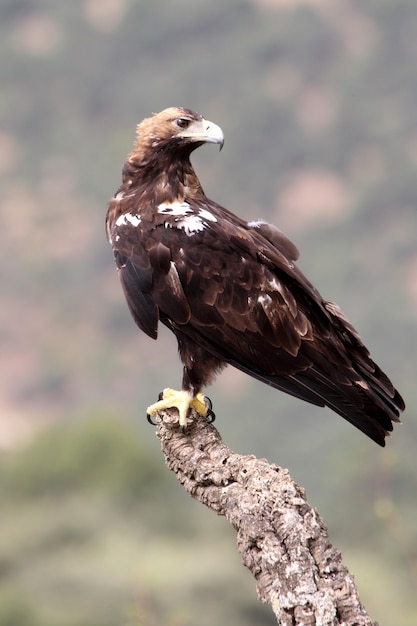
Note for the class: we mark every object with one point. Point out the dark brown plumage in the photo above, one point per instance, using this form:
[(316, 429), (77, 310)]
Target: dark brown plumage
[(229, 289)]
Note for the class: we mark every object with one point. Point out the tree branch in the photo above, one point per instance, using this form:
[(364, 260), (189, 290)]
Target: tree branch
[(281, 538)]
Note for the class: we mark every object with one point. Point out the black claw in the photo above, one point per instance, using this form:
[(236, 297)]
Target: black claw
[(208, 402), (160, 396), (150, 420), (211, 416)]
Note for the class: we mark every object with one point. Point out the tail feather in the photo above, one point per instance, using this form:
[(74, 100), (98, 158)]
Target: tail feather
[(370, 407), (352, 403)]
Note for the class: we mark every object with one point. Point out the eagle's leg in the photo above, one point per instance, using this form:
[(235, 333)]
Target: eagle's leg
[(200, 368), (184, 401)]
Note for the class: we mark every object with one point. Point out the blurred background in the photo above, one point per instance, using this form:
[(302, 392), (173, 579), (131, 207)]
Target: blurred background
[(318, 103)]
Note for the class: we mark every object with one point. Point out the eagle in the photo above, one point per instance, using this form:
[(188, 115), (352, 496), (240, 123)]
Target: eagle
[(229, 289)]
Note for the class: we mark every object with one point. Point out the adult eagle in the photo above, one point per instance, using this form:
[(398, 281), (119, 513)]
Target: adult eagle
[(229, 289)]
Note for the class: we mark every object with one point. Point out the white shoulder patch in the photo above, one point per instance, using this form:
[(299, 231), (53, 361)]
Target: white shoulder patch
[(185, 218), (128, 218), (256, 223), (176, 209), (206, 215), (191, 224)]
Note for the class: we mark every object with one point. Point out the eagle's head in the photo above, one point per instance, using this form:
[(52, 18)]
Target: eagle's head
[(174, 130)]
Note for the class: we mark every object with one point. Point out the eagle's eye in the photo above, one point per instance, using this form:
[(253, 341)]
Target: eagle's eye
[(183, 122)]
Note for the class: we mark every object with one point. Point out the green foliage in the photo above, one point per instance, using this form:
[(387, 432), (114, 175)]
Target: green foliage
[(100, 454), (94, 528)]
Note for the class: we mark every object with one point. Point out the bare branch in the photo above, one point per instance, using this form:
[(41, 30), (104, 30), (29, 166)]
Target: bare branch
[(281, 538)]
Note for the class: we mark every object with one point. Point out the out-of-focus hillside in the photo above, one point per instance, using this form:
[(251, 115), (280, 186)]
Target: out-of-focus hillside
[(318, 102)]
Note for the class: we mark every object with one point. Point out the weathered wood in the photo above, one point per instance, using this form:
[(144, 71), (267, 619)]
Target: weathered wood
[(281, 538)]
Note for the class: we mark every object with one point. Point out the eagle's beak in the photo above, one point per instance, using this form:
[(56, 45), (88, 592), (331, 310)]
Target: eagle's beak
[(213, 133), (205, 132)]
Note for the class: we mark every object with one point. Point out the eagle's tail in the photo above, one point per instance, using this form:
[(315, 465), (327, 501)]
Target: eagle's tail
[(372, 404)]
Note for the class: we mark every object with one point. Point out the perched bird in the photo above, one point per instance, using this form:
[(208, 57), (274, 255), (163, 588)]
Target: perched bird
[(229, 289)]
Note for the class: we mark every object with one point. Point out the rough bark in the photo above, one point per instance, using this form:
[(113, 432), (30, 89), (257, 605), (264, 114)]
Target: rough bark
[(281, 538)]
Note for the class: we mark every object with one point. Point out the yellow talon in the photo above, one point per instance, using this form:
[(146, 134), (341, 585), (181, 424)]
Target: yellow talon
[(199, 403), (181, 400)]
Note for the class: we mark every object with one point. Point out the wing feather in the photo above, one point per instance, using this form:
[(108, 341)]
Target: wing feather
[(141, 304), (170, 297), (277, 238)]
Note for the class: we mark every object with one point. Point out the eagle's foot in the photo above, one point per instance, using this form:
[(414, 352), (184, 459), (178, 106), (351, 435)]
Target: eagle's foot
[(183, 401)]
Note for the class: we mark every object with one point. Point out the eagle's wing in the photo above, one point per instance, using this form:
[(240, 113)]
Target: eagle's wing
[(276, 327), (136, 277)]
